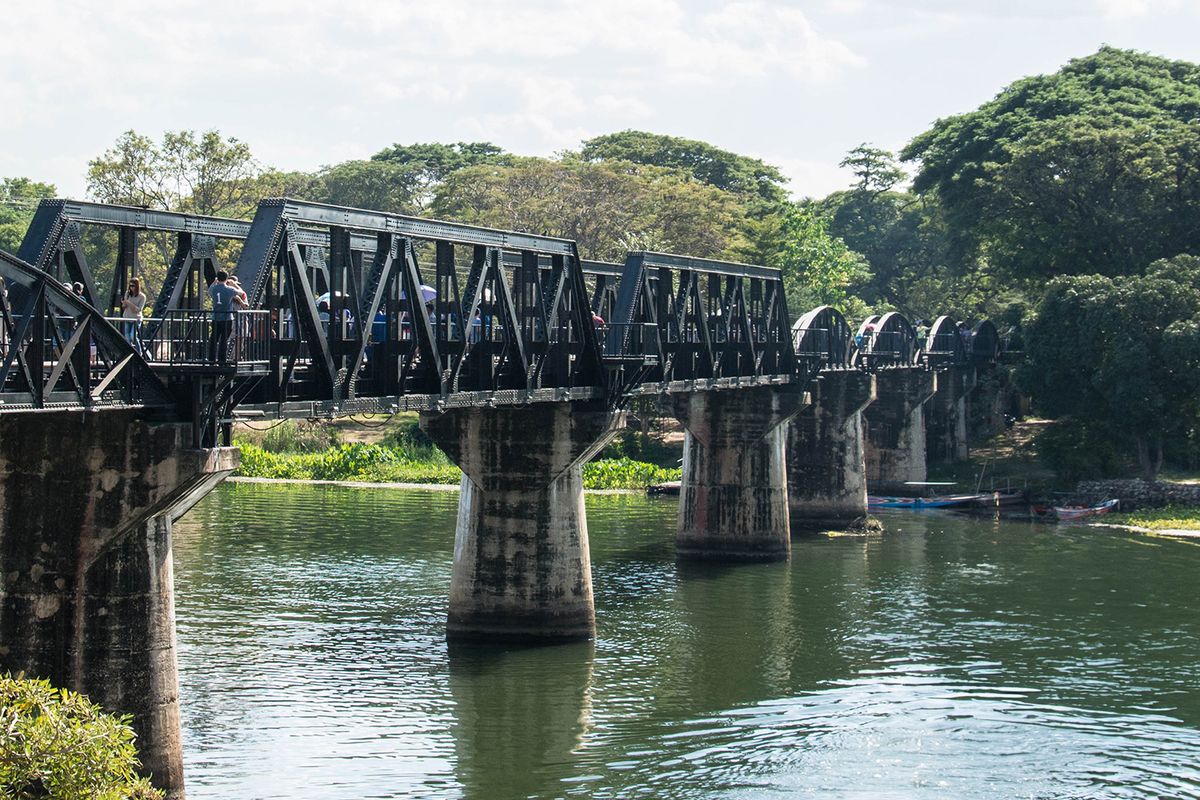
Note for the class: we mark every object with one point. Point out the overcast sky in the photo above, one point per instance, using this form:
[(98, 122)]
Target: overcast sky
[(312, 83)]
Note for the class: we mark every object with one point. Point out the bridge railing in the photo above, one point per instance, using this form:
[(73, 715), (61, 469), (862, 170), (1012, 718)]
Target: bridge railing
[(634, 340), (185, 338)]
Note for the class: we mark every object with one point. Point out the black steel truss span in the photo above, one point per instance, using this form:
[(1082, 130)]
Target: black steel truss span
[(57, 351), (435, 308), (679, 319), (355, 311)]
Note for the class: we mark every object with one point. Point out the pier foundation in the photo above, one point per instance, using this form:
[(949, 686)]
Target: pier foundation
[(522, 569), (826, 459), (87, 502), (733, 498)]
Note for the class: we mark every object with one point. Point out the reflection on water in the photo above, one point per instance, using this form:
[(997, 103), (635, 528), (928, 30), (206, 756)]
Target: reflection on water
[(949, 657)]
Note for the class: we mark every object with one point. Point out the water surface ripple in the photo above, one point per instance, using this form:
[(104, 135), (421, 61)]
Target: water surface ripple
[(949, 657)]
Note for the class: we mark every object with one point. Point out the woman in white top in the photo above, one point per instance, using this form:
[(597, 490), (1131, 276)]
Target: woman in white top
[(132, 305)]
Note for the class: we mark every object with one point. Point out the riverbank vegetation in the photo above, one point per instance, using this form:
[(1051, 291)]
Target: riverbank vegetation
[(1171, 518), (397, 451), (1063, 210)]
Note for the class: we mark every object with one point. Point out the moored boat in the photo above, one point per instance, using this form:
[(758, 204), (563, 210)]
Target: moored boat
[(936, 501), (1079, 512)]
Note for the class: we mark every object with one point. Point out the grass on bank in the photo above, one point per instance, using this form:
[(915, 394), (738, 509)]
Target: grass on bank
[(1182, 518), (398, 452)]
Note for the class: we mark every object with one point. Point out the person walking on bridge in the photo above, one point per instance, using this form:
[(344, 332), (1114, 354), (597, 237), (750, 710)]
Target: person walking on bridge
[(131, 312), (222, 295)]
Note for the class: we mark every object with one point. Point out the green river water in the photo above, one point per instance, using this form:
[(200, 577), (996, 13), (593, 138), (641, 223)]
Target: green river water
[(949, 657)]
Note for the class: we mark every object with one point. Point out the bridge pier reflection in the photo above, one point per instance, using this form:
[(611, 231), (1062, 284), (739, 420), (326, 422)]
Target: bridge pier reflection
[(733, 498), (896, 425), (87, 502), (826, 462), (521, 564), (519, 726)]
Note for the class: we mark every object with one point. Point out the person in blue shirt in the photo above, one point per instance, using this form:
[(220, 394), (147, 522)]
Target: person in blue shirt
[(223, 296)]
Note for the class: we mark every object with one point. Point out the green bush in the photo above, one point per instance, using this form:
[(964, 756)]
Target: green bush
[(374, 463), (290, 436), (625, 473), (58, 744)]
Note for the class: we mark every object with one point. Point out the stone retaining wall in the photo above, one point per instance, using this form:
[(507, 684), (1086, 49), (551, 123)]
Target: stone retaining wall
[(1136, 493)]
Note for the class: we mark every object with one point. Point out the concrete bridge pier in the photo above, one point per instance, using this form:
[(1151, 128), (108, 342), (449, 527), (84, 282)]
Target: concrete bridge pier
[(895, 451), (733, 501), (826, 461), (947, 416), (522, 570), (87, 501)]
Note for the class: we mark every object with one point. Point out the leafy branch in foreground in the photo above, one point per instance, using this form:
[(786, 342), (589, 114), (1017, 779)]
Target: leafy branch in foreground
[(58, 744)]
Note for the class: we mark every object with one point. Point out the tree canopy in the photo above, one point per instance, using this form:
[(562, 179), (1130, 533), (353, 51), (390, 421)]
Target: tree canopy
[(202, 174), (19, 198), (1093, 169), (428, 164), (704, 162), (607, 207), (1121, 354), (818, 268)]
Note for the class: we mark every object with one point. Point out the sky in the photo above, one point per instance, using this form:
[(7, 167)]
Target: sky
[(306, 84)]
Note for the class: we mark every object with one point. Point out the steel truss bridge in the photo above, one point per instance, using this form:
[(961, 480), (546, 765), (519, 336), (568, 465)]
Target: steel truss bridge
[(418, 314)]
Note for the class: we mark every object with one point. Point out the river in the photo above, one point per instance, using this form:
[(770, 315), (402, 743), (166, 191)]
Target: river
[(949, 657)]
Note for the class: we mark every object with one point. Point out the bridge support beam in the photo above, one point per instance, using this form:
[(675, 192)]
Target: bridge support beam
[(733, 498), (87, 501), (946, 417), (522, 570), (826, 461), (896, 425)]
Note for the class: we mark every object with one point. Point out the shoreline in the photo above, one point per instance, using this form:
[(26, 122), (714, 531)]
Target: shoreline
[(432, 487)]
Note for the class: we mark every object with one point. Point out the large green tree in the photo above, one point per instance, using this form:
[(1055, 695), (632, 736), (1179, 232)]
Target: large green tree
[(1121, 355), (905, 242), (607, 207), (19, 198), (704, 162), (818, 268), (1093, 169), (423, 166), (200, 173)]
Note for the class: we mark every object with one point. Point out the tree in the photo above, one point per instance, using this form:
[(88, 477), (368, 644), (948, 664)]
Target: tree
[(1121, 355), (1094, 169), (58, 744), (377, 185), (19, 198), (607, 208), (427, 165), (875, 169), (818, 269), (202, 174), (731, 172)]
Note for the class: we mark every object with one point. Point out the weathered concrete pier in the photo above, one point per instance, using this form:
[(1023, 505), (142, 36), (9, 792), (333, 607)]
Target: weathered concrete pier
[(826, 453), (733, 501), (87, 502), (895, 444), (522, 569)]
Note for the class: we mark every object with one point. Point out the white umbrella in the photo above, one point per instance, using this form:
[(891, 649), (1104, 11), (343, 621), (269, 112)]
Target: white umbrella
[(428, 294)]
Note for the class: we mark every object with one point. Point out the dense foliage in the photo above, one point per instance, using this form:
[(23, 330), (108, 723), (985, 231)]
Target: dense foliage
[(57, 744), (1121, 356), (702, 161), (1093, 169)]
